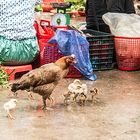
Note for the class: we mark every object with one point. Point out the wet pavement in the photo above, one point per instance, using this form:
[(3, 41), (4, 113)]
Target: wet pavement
[(116, 116)]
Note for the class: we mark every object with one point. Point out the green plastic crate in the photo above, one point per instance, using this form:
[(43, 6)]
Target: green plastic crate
[(101, 49)]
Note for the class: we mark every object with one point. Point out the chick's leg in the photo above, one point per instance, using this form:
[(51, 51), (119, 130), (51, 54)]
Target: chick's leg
[(95, 99), (9, 115)]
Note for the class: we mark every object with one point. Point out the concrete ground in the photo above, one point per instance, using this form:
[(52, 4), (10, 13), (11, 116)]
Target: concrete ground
[(116, 116)]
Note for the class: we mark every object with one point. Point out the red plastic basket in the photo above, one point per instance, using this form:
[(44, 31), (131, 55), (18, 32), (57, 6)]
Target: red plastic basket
[(127, 53), (52, 53), (43, 35)]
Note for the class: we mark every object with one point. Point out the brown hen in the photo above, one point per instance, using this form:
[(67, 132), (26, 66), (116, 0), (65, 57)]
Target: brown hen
[(44, 79)]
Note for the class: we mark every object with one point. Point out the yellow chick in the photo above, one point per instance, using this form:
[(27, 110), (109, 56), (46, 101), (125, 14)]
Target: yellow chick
[(10, 105)]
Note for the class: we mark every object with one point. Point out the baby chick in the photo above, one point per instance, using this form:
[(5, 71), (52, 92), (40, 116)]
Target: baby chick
[(73, 86), (10, 105), (82, 92), (82, 98), (84, 88), (68, 97), (77, 87), (93, 93)]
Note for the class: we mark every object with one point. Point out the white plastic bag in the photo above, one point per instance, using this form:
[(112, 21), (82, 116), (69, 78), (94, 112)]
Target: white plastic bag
[(127, 25)]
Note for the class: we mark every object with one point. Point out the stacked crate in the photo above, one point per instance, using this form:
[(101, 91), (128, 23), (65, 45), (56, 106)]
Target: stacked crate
[(101, 49)]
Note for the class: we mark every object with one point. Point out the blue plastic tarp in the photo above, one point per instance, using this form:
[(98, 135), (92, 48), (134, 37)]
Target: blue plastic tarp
[(71, 42)]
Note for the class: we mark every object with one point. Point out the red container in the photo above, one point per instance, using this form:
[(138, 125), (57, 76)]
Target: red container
[(127, 53), (44, 32), (43, 35)]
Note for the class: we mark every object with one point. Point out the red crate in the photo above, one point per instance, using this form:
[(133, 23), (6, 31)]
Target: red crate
[(127, 53), (51, 53), (43, 35)]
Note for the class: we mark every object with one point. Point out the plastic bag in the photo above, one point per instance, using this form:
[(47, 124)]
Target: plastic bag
[(121, 24), (71, 42)]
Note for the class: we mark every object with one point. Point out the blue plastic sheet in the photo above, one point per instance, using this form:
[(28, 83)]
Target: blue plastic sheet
[(71, 42)]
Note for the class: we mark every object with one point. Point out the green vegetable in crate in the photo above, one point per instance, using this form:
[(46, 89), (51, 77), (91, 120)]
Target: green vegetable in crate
[(77, 4), (3, 77)]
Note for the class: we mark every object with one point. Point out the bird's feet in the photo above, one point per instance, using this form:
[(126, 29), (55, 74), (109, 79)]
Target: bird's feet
[(47, 108), (10, 117), (96, 100)]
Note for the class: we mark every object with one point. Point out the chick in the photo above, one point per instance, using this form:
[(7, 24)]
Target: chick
[(75, 88), (68, 98), (77, 92), (82, 98), (84, 88), (10, 105), (93, 93)]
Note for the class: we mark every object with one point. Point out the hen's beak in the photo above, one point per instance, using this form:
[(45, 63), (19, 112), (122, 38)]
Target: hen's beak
[(74, 57)]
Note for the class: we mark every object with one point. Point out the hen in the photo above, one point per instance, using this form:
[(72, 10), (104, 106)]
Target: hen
[(43, 80)]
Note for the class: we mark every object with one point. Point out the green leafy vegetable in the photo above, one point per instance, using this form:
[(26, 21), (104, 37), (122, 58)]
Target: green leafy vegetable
[(3, 78), (77, 4)]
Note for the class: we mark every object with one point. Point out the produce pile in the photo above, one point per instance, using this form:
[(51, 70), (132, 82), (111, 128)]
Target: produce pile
[(3, 78), (78, 5)]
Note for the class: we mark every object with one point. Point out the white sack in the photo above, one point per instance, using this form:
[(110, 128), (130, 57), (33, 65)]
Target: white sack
[(127, 25)]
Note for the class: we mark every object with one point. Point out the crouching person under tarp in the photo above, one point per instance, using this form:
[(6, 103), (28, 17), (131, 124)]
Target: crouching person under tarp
[(18, 43)]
